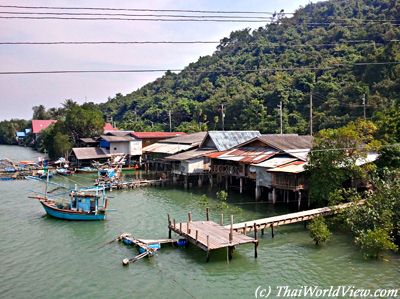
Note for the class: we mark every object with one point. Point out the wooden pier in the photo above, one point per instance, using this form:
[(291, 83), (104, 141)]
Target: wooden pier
[(208, 235), (134, 184), (263, 223)]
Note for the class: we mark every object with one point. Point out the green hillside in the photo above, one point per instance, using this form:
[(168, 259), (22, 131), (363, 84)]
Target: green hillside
[(251, 72)]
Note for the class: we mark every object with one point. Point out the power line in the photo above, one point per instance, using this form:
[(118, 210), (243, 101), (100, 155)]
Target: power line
[(334, 66), (106, 42), (145, 9), (270, 45), (134, 15), (193, 19)]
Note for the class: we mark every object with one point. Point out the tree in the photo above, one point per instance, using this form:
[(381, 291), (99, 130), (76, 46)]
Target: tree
[(55, 141), (374, 242), (334, 157), (39, 112), (83, 121), (319, 231)]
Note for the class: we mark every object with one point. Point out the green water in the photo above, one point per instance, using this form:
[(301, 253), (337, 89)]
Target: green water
[(41, 257)]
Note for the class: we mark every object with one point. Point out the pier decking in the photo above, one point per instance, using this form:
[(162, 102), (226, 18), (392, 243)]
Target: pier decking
[(263, 223), (208, 235)]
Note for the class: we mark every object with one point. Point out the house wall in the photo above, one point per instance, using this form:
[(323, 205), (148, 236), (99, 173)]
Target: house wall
[(119, 148), (263, 178), (136, 148)]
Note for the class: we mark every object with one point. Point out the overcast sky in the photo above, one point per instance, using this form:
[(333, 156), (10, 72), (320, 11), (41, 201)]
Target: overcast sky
[(18, 93)]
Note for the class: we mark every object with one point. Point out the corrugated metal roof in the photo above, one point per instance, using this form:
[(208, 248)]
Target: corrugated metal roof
[(87, 153), (275, 162), (89, 140), (246, 155), (224, 140), (119, 133), (166, 148), (194, 138), (156, 135), (287, 142), (293, 167), (117, 138), (192, 154), (41, 124)]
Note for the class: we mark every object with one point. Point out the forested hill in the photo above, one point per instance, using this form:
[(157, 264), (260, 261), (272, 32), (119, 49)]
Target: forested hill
[(318, 49)]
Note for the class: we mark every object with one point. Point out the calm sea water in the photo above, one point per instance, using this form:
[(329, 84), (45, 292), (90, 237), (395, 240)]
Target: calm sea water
[(41, 257)]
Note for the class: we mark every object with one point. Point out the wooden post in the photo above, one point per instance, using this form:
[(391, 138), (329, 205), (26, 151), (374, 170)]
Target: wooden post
[(256, 243), (262, 232), (272, 230), (180, 227), (208, 243), (169, 226), (207, 214), (190, 216), (299, 200), (197, 235), (222, 219), (174, 224), (231, 231), (230, 251), (241, 185), (188, 228)]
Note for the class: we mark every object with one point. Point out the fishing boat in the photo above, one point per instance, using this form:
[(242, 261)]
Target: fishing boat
[(84, 204), (64, 171)]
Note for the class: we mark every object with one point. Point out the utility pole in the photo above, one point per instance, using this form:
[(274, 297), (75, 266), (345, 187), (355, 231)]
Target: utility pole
[(311, 114), (281, 112), (170, 120), (223, 117), (364, 104)]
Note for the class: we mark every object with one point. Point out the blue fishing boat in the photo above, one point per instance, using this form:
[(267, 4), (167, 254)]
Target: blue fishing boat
[(83, 205)]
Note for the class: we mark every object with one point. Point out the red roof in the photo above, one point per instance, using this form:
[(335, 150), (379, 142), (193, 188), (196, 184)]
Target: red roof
[(156, 135), (39, 125), (109, 127)]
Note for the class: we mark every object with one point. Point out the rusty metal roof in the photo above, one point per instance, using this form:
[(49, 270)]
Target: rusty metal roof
[(193, 139), (287, 142), (293, 167), (192, 154), (275, 162), (248, 155)]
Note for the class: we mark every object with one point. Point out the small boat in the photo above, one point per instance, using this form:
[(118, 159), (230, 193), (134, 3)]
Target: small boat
[(86, 170), (43, 174), (64, 171), (83, 205)]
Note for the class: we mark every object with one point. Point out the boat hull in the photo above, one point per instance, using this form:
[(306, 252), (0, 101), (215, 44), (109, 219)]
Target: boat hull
[(70, 215)]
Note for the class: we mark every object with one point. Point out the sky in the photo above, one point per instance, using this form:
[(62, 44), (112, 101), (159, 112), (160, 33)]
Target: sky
[(19, 93)]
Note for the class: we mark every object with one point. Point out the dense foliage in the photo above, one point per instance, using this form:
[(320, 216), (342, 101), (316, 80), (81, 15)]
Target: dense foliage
[(319, 231), (73, 122), (327, 36), (9, 128)]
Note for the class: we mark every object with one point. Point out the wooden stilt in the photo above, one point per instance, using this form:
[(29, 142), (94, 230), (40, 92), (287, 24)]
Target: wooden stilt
[(222, 219), (256, 243), (207, 214), (272, 231), (262, 232), (230, 251)]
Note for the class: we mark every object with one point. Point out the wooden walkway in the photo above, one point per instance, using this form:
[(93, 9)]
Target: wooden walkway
[(263, 223), (208, 235)]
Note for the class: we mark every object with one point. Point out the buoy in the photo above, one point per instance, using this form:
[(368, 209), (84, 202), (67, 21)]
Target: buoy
[(125, 262)]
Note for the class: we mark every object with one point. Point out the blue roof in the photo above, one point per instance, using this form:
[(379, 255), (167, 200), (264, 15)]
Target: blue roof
[(21, 134)]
